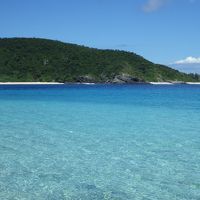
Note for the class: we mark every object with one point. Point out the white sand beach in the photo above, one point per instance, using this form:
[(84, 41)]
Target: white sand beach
[(174, 83), (161, 83), (193, 83), (30, 83)]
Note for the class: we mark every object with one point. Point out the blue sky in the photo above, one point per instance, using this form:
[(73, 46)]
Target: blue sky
[(163, 31)]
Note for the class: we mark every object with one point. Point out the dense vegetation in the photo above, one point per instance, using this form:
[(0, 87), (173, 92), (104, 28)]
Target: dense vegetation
[(30, 59)]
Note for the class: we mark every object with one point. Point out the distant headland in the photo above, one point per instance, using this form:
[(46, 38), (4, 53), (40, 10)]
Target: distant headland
[(49, 61)]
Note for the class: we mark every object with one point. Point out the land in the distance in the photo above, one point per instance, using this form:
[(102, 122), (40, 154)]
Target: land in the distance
[(57, 83), (42, 60)]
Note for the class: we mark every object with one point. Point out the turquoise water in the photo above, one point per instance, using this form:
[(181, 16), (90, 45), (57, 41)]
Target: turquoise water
[(75, 142)]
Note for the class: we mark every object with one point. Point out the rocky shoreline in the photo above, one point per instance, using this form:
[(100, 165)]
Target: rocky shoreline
[(95, 83), (122, 79), (117, 79)]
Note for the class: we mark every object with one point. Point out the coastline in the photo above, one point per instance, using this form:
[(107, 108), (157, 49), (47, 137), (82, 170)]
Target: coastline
[(30, 83), (161, 83), (86, 83), (175, 83), (193, 83)]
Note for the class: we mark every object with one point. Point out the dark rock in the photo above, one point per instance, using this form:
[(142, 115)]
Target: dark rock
[(85, 79), (125, 78)]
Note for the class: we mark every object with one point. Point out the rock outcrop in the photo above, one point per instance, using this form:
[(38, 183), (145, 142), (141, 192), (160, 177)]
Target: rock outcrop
[(85, 79), (125, 78)]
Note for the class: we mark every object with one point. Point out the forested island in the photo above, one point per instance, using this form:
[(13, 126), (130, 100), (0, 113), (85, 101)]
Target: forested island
[(43, 60)]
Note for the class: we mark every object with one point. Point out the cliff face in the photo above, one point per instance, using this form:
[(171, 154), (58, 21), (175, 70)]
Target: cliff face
[(29, 59)]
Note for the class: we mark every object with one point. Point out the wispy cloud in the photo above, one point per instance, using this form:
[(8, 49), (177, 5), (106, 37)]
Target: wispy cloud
[(188, 60), (153, 5)]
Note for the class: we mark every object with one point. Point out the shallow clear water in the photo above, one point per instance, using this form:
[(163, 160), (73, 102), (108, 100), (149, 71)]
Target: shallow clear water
[(100, 142)]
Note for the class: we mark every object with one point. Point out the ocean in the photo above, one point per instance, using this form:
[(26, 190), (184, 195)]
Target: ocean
[(100, 142)]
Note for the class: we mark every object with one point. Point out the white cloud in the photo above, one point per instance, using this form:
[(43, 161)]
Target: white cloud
[(153, 5), (189, 60), (187, 68)]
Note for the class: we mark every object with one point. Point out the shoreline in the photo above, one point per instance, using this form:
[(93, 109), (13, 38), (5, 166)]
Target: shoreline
[(30, 83), (162, 83), (193, 83), (174, 83), (86, 83)]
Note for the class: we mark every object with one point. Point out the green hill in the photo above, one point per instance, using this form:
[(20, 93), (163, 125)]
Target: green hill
[(31, 59)]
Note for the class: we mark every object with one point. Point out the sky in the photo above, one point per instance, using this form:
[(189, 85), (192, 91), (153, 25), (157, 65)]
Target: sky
[(162, 31)]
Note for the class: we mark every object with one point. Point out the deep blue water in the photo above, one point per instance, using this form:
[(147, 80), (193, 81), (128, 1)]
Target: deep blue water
[(81, 142)]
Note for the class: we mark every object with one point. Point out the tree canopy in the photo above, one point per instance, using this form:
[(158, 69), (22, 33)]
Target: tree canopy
[(33, 59)]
